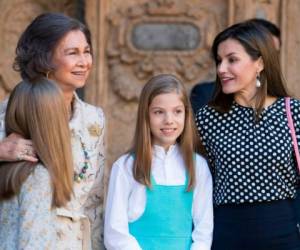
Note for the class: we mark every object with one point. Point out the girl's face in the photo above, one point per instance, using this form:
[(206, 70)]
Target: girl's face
[(167, 117), (236, 69), (73, 60)]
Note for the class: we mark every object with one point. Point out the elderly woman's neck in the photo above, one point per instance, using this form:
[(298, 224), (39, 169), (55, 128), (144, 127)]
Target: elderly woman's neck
[(69, 101)]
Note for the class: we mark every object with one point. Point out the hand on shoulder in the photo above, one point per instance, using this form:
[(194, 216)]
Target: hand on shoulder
[(15, 148)]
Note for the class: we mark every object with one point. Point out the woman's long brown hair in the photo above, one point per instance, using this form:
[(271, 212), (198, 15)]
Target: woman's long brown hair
[(142, 144), (258, 43), (37, 111)]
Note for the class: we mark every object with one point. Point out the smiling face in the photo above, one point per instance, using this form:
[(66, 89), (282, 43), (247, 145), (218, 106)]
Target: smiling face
[(167, 117), (236, 70), (72, 60)]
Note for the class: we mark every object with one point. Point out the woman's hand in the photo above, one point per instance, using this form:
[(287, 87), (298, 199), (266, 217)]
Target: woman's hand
[(15, 148)]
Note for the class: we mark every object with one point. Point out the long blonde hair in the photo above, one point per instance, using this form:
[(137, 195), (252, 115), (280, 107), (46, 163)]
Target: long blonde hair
[(142, 144), (37, 111)]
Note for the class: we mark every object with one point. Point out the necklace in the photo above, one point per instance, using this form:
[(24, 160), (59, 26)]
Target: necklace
[(78, 177)]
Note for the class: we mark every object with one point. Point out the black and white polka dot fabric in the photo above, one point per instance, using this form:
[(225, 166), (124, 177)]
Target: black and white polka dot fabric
[(250, 161)]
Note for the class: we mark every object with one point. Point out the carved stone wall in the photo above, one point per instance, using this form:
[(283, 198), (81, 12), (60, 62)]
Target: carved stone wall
[(245, 9), (290, 52), (128, 66)]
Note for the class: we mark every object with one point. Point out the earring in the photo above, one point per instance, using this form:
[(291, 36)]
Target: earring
[(47, 74), (258, 83)]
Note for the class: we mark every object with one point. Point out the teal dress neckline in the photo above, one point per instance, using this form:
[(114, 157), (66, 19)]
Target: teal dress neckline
[(167, 222)]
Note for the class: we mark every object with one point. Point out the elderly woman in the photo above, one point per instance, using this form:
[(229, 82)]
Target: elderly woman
[(59, 47)]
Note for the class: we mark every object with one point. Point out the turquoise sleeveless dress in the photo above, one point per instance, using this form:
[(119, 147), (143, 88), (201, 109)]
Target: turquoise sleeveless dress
[(167, 222)]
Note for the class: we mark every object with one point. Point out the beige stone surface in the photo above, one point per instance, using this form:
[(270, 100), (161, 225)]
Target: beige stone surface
[(290, 54), (122, 70)]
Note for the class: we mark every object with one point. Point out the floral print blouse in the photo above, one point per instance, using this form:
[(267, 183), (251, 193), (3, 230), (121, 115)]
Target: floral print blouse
[(27, 220), (79, 224)]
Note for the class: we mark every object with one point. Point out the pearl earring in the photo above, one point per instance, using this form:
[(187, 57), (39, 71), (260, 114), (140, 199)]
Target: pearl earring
[(258, 83)]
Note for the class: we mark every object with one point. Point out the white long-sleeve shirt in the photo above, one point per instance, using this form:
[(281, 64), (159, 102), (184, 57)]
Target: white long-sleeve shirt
[(126, 198)]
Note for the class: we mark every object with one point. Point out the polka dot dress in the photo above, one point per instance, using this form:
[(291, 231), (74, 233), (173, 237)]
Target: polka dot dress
[(251, 161)]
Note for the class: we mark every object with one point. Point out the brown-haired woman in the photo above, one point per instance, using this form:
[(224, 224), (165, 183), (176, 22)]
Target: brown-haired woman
[(30, 191), (246, 135), (160, 193)]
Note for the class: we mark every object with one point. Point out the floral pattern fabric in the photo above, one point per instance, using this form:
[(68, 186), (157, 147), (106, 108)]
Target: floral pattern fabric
[(27, 220), (79, 224)]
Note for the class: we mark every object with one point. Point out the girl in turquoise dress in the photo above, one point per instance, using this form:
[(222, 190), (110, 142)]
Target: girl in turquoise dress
[(160, 193)]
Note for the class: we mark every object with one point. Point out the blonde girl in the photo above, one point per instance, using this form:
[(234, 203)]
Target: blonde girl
[(29, 192), (160, 193)]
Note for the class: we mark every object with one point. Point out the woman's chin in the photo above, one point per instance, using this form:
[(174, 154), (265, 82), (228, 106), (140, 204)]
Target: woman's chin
[(227, 91)]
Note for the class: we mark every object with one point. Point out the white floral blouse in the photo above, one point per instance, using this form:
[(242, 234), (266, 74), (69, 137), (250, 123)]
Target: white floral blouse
[(79, 225), (27, 220)]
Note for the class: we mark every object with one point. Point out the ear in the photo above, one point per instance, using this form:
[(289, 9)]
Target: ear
[(259, 65)]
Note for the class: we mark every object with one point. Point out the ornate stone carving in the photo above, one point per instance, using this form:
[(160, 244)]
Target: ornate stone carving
[(15, 18), (245, 9), (130, 67)]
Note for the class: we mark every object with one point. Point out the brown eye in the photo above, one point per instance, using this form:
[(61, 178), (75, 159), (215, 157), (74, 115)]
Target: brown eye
[(71, 52), (232, 60)]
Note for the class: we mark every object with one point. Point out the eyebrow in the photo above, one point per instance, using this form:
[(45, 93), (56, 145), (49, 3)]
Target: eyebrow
[(230, 54), (158, 107), (74, 48)]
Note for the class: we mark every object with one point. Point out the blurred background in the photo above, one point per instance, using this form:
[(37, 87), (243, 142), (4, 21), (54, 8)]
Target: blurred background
[(135, 39)]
